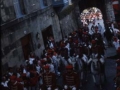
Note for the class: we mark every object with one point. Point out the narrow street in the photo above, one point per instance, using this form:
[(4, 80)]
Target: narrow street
[(110, 69), (60, 45), (110, 66)]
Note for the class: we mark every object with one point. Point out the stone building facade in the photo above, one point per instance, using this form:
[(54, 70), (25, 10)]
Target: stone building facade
[(109, 10), (25, 26)]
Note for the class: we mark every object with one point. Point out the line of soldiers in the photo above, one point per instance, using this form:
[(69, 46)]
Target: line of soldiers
[(42, 73)]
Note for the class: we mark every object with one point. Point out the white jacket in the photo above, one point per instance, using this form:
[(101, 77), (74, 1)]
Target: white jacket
[(116, 44)]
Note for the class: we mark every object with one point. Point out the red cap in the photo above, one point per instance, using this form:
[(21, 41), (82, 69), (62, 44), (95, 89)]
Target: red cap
[(118, 49), (96, 29), (19, 79), (46, 67), (54, 53), (42, 61), (24, 74), (49, 50), (73, 32), (93, 41), (118, 68), (84, 32), (69, 67), (115, 38), (13, 77)]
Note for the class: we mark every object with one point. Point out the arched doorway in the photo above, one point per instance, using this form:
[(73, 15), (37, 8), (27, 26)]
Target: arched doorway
[(89, 15), (92, 15), (101, 4)]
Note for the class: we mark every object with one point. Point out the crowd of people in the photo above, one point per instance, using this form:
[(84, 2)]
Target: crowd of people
[(68, 58), (90, 15)]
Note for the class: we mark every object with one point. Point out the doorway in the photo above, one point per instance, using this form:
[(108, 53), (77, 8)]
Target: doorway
[(27, 45), (46, 33)]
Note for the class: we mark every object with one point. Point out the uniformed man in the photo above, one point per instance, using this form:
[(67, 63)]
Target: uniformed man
[(96, 35), (86, 37), (70, 79), (49, 79), (13, 81), (94, 48), (101, 49), (116, 42)]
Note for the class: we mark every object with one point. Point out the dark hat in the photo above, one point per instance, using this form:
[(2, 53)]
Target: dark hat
[(46, 67), (93, 41)]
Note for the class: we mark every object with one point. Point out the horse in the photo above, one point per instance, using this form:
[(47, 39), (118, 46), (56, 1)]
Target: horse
[(81, 67), (97, 68)]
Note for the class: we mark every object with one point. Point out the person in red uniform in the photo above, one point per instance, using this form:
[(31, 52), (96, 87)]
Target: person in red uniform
[(13, 81), (33, 80), (94, 48), (97, 35), (49, 79), (70, 79), (20, 83), (101, 49)]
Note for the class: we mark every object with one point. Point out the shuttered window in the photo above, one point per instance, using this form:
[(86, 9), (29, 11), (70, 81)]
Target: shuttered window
[(17, 8)]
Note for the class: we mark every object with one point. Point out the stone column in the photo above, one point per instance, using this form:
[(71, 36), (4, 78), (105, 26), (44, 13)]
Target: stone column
[(77, 14), (109, 10)]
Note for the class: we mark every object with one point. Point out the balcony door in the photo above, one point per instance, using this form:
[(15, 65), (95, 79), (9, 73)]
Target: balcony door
[(27, 45), (46, 33)]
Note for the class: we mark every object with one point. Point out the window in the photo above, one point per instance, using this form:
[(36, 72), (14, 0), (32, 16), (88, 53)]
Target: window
[(17, 8), (57, 0), (22, 6), (45, 2)]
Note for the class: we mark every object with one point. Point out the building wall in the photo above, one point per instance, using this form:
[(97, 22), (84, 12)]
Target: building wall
[(68, 24), (16, 25), (109, 10), (7, 11), (12, 54)]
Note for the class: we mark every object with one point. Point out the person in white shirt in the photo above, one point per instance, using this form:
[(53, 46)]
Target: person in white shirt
[(4, 83), (51, 66), (116, 31), (68, 47), (99, 27), (55, 61), (38, 68), (116, 43), (10, 71)]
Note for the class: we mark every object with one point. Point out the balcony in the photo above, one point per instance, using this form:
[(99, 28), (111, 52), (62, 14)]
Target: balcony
[(59, 3)]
